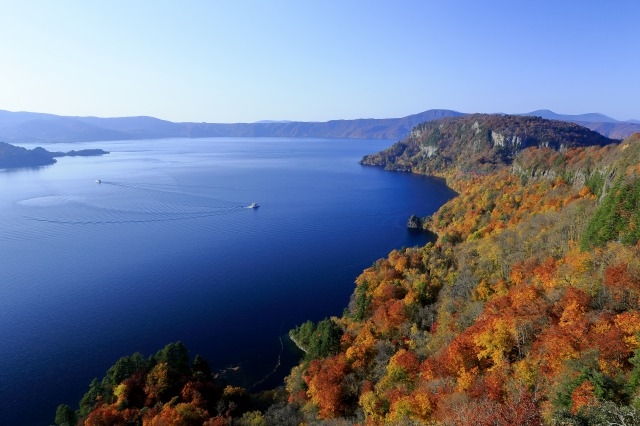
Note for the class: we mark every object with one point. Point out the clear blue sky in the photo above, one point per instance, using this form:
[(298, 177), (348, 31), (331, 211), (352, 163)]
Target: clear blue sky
[(244, 61)]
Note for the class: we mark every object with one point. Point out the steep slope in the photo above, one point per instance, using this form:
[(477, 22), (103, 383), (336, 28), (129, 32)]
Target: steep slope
[(479, 142), (505, 319)]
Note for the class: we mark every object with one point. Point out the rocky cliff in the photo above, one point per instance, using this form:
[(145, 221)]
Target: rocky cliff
[(479, 143)]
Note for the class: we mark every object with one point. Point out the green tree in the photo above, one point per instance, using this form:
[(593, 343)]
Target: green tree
[(175, 355), (96, 392), (201, 368), (65, 416), (326, 339), (125, 367), (362, 301), (319, 341), (617, 217), (303, 334)]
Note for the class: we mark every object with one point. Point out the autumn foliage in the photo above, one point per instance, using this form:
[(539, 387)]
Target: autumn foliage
[(164, 389), (524, 312), (509, 318)]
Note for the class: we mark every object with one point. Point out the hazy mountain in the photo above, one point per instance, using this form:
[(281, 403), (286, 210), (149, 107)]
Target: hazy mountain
[(143, 127), (590, 117), (603, 124), (35, 127), (8, 118), (619, 130)]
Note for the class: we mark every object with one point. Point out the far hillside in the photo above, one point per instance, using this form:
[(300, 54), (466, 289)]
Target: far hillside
[(37, 127)]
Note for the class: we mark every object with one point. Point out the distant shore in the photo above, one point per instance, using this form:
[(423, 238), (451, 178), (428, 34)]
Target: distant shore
[(13, 157)]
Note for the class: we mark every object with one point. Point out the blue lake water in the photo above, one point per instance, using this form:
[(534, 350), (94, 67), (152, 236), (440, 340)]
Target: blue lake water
[(164, 249)]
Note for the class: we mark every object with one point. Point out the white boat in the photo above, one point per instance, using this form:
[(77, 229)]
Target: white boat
[(98, 181), (253, 206)]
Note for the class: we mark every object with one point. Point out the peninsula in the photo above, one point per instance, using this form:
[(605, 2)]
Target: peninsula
[(12, 157)]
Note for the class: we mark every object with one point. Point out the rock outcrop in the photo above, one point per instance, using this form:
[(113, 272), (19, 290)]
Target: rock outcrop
[(414, 222)]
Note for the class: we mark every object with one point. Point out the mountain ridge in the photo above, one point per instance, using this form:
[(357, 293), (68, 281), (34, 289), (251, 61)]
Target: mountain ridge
[(42, 127), (595, 117)]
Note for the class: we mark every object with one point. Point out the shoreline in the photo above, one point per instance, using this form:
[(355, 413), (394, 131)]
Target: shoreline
[(295, 342)]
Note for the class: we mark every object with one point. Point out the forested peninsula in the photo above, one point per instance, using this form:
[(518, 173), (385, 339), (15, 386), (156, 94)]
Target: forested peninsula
[(523, 312), (12, 157)]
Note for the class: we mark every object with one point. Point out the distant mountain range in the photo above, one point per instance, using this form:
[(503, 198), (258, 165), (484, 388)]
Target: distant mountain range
[(590, 117), (39, 127), (603, 124)]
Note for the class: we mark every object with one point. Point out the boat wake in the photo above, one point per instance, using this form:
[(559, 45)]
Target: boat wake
[(118, 202)]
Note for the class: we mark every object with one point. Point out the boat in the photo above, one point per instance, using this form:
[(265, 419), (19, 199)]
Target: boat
[(253, 206), (98, 181)]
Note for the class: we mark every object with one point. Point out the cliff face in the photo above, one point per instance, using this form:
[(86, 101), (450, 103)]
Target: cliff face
[(480, 143)]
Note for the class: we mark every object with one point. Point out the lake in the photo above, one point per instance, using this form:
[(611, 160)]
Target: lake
[(165, 249)]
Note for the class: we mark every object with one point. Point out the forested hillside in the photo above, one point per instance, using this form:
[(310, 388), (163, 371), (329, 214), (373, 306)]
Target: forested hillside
[(524, 312), (12, 157), (479, 143)]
